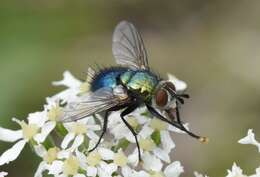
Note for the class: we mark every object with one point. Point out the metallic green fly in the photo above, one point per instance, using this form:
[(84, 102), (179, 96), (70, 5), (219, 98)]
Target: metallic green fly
[(130, 85)]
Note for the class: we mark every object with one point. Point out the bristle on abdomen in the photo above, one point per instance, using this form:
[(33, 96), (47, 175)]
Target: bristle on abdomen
[(106, 77)]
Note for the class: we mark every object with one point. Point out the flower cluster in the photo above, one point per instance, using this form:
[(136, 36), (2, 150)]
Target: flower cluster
[(64, 147), (236, 171)]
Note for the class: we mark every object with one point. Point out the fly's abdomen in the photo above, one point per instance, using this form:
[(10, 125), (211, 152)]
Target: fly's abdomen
[(107, 78)]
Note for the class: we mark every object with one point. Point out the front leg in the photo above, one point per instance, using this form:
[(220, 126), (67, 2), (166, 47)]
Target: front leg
[(104, 129), (131, 107), (174, 123)]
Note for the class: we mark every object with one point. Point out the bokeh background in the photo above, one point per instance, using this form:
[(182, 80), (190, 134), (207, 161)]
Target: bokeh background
[(213, 45)]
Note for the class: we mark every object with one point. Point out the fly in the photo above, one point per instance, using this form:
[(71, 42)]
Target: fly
[(128, 86)]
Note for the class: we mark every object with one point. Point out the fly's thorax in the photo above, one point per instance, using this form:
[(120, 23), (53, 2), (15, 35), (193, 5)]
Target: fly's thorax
[(141, 82), (126, 76)]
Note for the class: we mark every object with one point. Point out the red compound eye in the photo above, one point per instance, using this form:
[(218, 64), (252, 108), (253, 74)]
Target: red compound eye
[(161, 97)]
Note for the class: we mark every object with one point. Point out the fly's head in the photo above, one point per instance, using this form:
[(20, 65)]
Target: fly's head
[(166, 97)]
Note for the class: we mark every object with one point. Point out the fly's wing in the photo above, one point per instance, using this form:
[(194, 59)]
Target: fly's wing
[(98, 101), (128, 47)]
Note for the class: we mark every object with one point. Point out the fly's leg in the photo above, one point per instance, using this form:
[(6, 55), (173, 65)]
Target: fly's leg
[(178, 114), (202, 139), (175, 124), (103, 131), (127, 111)]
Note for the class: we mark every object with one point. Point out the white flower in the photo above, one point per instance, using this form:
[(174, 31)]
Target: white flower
[(128, 172), (77, 131), (250, 139), (71, 157), (235, 172), (57, 162), (94, 163), (149, 126), (172, 170), (3, 174), (36, 130), (51, 159), (179, 84), (73, 88), (196, 174)]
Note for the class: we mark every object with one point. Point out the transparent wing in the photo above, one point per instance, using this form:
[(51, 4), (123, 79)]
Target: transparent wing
[(98, 101), (128, 47)]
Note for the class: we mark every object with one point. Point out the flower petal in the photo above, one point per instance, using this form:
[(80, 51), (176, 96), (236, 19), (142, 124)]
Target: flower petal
[(106, 154), (196, 174), (65, 96), (146, 131), (179, 84), (41, 168), (236, 171), (91, 171), (140, 174), (151, 162), (63, 154), (93, 127), (3, 174), (37, 118), (82, 159), (167, 142), (8, 135), (119, 131), (45, 131), (133, 158), (68, 80), (92, 135), (126, 171), (250, 139), (40, 150), (79, 175), (162, 154), (12, 153), (67, 139), (77, 142), (106, 170), (55, 168), (174, 169)]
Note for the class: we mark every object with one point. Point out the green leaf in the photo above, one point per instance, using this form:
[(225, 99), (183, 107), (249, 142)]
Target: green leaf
[(61, 130), (122, 144), (156, 137), (146, 114), (48, 143), (84, 146), (115, 174)]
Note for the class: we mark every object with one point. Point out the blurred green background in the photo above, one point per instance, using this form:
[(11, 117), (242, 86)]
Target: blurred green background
[(212, 45)]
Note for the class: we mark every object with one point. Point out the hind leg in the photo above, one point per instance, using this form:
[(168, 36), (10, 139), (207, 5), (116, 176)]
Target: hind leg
[(127, 111), (104, 129)]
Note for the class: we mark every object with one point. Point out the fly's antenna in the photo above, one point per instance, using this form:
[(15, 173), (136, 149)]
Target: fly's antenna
[(184, 95), (180, 97)]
